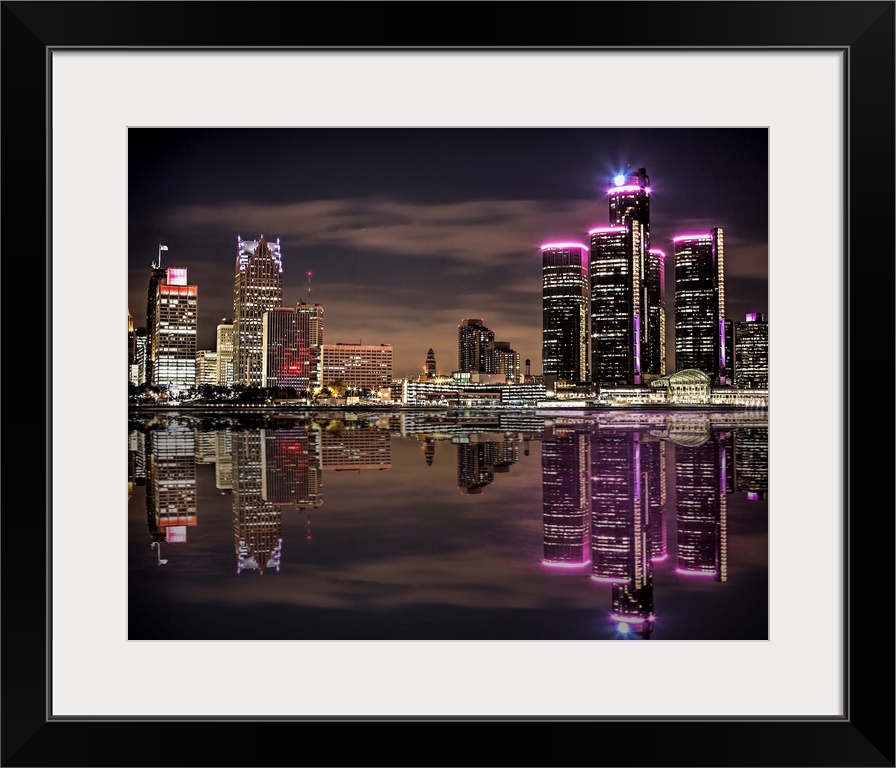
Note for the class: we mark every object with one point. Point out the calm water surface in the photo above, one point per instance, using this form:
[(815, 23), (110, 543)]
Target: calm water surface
[(511, 526)]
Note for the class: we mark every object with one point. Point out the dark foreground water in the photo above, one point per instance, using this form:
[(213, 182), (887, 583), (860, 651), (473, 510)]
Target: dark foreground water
[(515, 526)]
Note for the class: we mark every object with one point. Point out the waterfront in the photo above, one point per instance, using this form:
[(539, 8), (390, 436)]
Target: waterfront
[(508, 526)]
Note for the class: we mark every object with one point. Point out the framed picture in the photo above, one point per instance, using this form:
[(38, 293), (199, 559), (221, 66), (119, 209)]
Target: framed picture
[(81, 690)]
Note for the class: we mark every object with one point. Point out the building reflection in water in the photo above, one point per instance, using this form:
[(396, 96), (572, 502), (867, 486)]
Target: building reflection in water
[(604, 487)]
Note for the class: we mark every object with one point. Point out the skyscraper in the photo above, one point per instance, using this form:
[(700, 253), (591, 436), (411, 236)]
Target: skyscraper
[(173, 331), (700, 332), (156, 276), (430, 369), (627, 288), (257, 288), (286, 358), (751, 352), (224, 348), (472, 346), (315, 321), (564, 312), (615, 271)]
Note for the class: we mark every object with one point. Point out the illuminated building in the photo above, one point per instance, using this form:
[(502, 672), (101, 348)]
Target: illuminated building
[(359, 366), (629, 198), (138, 369), (156, 277), (224, 350), (751, 461), (257, 288), (173, 332), (653, 345), (286, 359), (349, 448), (290, 473), (615, 270), (566, 496), (206, 367), (256, 521), (472, 346), (700, 328), (315, 319), (702, 480), (751, 352), (503, 361), (132, 346), (564, 312), (171, 490), (430, 367)]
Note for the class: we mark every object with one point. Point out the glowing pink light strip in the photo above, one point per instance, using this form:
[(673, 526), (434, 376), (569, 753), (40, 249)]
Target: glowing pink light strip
[(691, 237), (547, 246), (631, 619), (628, 188), (606, 229), (609, 579), (659, 558), (550, 564), (684, 572), (657, 250)]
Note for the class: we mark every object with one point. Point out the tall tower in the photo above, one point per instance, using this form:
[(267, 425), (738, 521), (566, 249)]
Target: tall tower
[(430, 363), (286, 360), (173, 331), (564, 309), (224, 348), (700, 328), (627, 290), (257, 288), (156, 276), (615, 270), (472, 346), (314, 316)]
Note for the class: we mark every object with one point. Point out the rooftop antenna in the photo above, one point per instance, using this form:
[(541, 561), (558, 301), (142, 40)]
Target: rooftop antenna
[(309, 287), (159, 264)]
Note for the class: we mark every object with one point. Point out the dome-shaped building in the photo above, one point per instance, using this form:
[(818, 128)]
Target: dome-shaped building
[(687, 386)]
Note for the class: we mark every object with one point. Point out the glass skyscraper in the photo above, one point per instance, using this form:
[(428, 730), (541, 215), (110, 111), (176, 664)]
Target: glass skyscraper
[(565, 312), (257, 288)]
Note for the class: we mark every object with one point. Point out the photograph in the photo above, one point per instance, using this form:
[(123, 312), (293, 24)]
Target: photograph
[(460, 384), (450, 358)]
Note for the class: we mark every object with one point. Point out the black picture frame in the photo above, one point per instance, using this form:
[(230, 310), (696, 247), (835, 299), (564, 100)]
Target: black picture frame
[(864, 31)]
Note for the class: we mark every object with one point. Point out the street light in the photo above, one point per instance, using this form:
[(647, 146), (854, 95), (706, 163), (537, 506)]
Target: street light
[(158, 547)]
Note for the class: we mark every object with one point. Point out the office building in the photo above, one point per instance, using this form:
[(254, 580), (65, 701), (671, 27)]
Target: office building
[(700, 328), (224, 349), (653, 344), (257, 288), (358, 366), (504, 361), (286, 359), (206, 367), (472, 346), (564, 312), (156, 277), (315, 322), (751, 352), (173, 332)]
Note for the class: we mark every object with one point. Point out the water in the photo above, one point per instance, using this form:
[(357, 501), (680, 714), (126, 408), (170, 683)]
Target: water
[(437, 526)]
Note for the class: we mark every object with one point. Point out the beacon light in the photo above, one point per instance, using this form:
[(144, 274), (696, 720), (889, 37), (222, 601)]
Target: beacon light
[(606, 230), (557, 246), (628, 188), (619, 180), (705, 236)]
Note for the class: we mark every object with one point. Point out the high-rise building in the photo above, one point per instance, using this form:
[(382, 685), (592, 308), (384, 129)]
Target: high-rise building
[(173, 332), (132, 345), (472, 345), (627, 288), (138, 369), (430, 368), (206, 367), (156, 277), (503, 361), (257, 288), (564, 312), (315, 314), (224, 360), (700, 328), (751, 352), (566, 496), (615, 275), (359, 366), (286, 359)]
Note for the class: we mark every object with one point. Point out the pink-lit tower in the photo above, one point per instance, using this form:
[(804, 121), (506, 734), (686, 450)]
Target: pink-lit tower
[(564, 313)]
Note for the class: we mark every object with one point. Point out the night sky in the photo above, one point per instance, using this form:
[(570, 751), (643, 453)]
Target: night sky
[(406, 231)]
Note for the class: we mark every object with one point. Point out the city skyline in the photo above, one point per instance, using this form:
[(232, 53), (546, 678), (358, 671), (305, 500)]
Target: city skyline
[(406, 232)]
